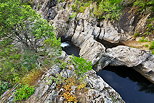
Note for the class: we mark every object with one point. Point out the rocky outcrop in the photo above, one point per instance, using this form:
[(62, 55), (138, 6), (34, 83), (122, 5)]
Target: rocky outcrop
[(140, 60), (48, 90), (146, 68), (98, 90)]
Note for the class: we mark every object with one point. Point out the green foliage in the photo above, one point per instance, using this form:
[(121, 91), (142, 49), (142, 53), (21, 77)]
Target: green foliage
[(73, 15), (108, 9), (29, 60), (80, 5), (58, 79), (143, 39), (149, 27), (4, 86), (26, 40), (152, 51), (81, 65), (12, 12), (136, 34), (146, 45), (24, 92), (9, 63), (152, 45), (144, 4), (63, 65), (104, 9), (145, 7)]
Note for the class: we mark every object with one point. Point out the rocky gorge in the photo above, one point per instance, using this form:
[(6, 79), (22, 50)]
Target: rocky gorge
[(84, 30), (100, 41)]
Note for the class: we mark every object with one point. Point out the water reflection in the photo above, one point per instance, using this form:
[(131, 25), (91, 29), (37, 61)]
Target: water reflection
[(133, 87)]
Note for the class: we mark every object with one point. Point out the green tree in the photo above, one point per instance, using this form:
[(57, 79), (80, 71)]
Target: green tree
[(24, 38)]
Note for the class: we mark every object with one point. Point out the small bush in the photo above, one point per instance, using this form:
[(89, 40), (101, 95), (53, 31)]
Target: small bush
[(144, 4), (24, 92), (108, 9), (81, 65), (4, 86), (136, 34), (143, 39), (152, 51), (151, 45), (73, 15)]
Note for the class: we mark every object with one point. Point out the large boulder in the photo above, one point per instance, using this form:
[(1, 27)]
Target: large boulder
[(140, 60)]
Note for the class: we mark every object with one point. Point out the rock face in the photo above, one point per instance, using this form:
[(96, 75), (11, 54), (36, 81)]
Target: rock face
[(84, 29), (140, 60), (146, 68), (98, 90), (123, 55), (48, 91)]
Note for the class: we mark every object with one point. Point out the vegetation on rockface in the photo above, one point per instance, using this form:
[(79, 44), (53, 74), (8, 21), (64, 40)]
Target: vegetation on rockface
[(103, 9), (4, 86), (23, 92), (75, 80), (32, 77), (28, 46), (108, 9), (26, 42), (69, 84), (151, 47), (81, 65), (113, 9), (145, 7)]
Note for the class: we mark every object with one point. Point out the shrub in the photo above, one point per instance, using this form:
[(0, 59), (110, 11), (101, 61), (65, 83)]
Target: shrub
[(152, 51), (4, 86), (109, 9), (73, 15), (81, 65), (143, 39), (151, 45), (24, 92), (144, 4)]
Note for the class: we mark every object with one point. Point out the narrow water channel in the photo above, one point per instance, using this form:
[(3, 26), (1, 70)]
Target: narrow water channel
[(132, 87), (70, 48)]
